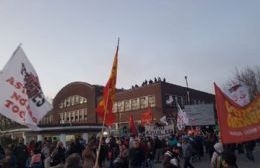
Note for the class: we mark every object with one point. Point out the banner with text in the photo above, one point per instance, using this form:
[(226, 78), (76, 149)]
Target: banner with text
[(21, 96), (237, 124), (160, 131)]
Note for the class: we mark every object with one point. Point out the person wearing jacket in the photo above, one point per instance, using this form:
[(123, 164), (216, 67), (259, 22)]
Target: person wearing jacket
[(216, 156), (21, 154), (187, 153), (171, 158), (228, 160), (136, 155)]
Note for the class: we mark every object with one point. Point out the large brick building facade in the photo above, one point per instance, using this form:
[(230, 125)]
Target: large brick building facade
[(74, 106)]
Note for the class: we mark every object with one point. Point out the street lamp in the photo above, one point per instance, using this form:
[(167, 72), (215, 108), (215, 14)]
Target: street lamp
[(187, 86)]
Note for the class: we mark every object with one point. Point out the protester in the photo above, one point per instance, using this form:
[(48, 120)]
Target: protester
[(249, 146), (88, 157), (216, 157), (136, 155), (9, 160), (187, 153), (228, 160), (171, 158), (36, 159), (21, 154), (58, 155), (73, 161), (158, 149)]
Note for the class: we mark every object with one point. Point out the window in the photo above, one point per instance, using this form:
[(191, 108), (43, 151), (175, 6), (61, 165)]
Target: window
[(127, 105), (151, 101), (61, 117), (72, 100), (82, 114), (76, 99), (85, 100), (114, 109), (81, 100), (77, 115), (180, 101), (120, 106), (143, 102), (73, 116), (194, 102), (135, 104), (85, 114), (68, 101), (61, 105)]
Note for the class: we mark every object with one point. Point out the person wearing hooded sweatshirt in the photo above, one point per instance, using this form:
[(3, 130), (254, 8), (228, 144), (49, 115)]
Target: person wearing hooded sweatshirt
[(216, 157)]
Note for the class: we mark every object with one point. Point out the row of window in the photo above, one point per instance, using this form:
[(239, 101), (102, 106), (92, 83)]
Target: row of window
[(134, 104), (47, 119), (74, 116), (72, 101), (172, 100)]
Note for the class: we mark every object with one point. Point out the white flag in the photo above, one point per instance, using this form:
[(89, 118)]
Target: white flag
[(164, 120), (239, 93), (21, 96), (182, 119)]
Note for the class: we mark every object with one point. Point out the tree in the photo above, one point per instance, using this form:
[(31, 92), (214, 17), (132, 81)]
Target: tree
[(250, 76)]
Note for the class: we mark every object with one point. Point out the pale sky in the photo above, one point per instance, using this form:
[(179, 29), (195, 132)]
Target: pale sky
[(75, 40)]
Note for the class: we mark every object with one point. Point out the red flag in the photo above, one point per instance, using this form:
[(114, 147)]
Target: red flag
[(109, 95), (132, 127), (147, 116), (237, 124)]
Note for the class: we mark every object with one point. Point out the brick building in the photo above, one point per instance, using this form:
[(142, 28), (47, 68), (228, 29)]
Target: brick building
[(74, 107)]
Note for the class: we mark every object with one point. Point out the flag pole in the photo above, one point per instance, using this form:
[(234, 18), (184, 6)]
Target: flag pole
[(101, 136), (103, 124)]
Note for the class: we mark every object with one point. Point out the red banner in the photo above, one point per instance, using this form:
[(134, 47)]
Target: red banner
[(237, 124), (132, 127), (147, 117)]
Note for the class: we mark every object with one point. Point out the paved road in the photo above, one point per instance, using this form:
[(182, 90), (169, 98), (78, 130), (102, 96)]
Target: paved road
[(242, 161)]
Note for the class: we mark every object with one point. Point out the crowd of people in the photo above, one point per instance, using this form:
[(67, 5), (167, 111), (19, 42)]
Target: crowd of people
[(175, 151)]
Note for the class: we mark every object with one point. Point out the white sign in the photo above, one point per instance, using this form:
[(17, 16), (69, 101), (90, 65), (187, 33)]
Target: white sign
[(160, 131), (200, 114), (21, 96)]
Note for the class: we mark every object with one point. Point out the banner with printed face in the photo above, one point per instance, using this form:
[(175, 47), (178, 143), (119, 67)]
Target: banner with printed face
[(237, 124), (159, 131), (239, 93), (21, 98)]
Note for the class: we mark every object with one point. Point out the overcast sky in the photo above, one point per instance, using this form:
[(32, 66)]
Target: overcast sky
[(75, 40)]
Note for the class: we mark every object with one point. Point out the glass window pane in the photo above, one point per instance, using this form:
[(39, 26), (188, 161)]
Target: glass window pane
[(127, 105), (143, 102), (151, 100), (135, 104)]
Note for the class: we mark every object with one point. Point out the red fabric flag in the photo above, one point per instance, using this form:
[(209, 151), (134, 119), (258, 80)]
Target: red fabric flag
[(237, 124), (147, 116), (132, 127), (109, 95)]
